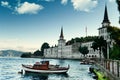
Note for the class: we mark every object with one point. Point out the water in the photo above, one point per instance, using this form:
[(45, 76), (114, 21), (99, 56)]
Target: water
[(9, 68)]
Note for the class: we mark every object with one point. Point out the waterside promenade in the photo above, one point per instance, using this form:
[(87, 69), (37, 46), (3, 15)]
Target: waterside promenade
[(111, 68)]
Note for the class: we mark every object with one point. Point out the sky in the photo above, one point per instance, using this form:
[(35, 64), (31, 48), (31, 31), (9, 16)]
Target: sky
[(26, 24)]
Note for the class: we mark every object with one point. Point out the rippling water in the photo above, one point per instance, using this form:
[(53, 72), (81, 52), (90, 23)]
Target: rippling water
[(9, 68)]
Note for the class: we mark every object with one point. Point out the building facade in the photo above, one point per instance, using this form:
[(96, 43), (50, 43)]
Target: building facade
[(69, 51), (72, 51)]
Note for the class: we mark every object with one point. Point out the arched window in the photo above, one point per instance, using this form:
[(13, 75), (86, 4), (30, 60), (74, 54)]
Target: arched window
[(92, 55), (89, 56)]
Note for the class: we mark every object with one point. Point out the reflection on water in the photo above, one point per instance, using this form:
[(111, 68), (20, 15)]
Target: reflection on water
[(36, 76)]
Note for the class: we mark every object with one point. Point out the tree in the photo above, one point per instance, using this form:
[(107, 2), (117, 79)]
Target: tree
[(38, 53), (114, 34), (81, 39), (118, 3), (84, 50), (115, 52), (101, 45), (44, 46), (26, 55)]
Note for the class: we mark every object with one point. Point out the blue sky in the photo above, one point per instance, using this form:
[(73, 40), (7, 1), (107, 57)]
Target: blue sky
[(26, 24)]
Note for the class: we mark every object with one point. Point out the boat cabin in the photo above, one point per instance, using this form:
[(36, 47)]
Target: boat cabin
[(44, 65)]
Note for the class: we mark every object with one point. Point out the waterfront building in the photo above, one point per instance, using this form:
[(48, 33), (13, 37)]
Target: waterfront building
[(92, 53), (69, 51), (72, 51)]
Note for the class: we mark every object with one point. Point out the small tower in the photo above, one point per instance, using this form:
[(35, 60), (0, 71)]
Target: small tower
[(61, 35), (61, 44), (61, 41), (106, 21)]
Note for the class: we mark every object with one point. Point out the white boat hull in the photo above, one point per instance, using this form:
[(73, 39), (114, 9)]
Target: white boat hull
[(44, 71)]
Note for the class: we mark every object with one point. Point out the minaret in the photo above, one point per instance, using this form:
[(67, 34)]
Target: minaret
[(61, 44), (106, 21), (61, 35)]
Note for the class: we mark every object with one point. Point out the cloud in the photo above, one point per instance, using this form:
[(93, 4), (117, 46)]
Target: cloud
[(111, 0), (5, 4), (47, 0), (23, 8), (28, 8), (84, 5), (64, 2)]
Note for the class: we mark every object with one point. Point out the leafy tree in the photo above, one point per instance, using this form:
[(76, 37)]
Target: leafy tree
[(26, 55), (38, 53), (101, 45), (81, 39), (44, 46), (118, 3), (115, 52), (114, 34), (84, 50)]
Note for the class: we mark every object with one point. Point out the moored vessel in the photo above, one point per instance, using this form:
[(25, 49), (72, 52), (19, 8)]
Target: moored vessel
[(44, 67)]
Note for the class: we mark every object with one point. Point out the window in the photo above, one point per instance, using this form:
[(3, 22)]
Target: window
[(89, 56), (99, 32), (92, 55), (95, 56), (105, 30)]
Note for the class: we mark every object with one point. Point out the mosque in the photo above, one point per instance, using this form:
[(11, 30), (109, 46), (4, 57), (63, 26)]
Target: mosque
[(71, 51)]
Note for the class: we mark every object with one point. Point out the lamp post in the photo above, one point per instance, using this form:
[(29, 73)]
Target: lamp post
[(108, 44)]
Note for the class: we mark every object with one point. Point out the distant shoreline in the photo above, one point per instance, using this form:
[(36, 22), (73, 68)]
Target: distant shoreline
[(53, 58)]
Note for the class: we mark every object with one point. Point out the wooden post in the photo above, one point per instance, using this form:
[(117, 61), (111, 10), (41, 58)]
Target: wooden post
[(117, 68), (113, 67), (104, 63), (108, 65)]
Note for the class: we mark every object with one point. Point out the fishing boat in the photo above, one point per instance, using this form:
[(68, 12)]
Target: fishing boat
[(87, 62), (44, 67)]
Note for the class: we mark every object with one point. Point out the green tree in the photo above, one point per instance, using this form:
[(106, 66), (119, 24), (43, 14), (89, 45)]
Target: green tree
[(118, 3), (26, 55), (81, 39), (84, 50), (101, 45), (114, 34), (44, 46), (38, 53), (115, 52)]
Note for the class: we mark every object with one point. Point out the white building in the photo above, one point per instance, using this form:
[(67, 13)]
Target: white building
[(92, 53), (72, 51), (69, 51)]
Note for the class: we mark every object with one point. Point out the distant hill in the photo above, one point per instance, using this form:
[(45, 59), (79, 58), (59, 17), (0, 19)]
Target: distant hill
[(10, 53)]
